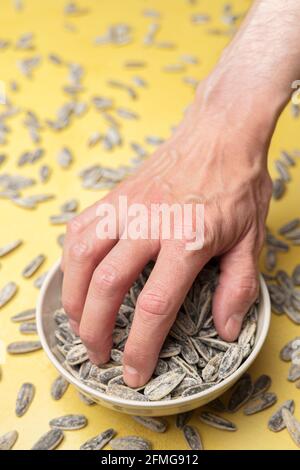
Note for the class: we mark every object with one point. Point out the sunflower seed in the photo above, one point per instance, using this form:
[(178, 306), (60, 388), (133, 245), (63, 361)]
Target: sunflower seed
[(24, 398), (217, 421), (192, 437), (61, 219), (26, 315), (69, 422), (7, 293), (28, 328), (294, 373), (85, 399), (59, 387), (154, 424), (276, 422), (23, 347), (33, 266), (49, 441), (124, 392), (292, 425), (261, 385), (183, 418), (195, 389), (260, 403), (69, 206), (278, 188), (4, 250), (217, 405), (241, 393), (230, 361), (77, 355), (64, 158), (39, 281), (130, 443), (7, 440), (100, 441), (162, 385)]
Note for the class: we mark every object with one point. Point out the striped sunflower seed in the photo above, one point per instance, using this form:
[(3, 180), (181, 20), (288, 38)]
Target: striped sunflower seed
[(33, 266), (260, 403), (192, 437), (68, 422), (276, 422), (28, 328), (23, 347), (261, 385), (124, 392), (59, 387), (7, 440), (24, 316), (100, 441), (217, 421), (24, 398), (241, 393), (130, 443), (154, 424), (9, 247), (292, 425), (7, 293), (49, 441), (162, 385)]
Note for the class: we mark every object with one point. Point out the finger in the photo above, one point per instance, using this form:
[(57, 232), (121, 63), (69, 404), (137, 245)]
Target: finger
[(83, 256), (157, 306), (236, 291), (77, 225), (111, 280)]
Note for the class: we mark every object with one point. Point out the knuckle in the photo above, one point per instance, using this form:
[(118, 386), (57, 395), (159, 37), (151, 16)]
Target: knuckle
[(80, 251), (107, 278), (247, 289), (74, 226), (71, 306), (152, 302)]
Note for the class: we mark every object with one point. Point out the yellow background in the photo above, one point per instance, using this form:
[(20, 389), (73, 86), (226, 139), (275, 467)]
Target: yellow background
[(160, 106)]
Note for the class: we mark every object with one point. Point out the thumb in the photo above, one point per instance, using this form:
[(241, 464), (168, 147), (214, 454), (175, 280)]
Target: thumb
[(236, 291)]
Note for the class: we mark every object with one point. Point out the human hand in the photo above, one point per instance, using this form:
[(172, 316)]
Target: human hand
[(207, 160)]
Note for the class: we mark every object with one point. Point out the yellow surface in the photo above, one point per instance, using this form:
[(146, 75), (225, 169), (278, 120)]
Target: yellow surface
[(160, 106)]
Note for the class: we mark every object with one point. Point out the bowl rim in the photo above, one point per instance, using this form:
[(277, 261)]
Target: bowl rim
[(151, 404)]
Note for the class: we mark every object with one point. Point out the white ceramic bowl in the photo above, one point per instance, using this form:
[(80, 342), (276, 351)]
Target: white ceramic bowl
[(49, 300)]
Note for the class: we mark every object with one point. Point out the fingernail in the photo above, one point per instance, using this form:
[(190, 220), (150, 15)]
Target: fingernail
[(132, 377), (74, 326), (233, 325)]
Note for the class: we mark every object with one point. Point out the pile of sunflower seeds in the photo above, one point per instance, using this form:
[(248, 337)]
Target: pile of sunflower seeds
[(193, 358)]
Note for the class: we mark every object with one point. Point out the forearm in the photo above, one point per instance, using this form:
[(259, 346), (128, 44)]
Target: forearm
[(252, 81)]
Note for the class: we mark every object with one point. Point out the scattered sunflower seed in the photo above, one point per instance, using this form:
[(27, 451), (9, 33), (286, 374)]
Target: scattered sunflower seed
[(260, 403), (24, 398), (23, 347), (7, 293), (68, 422), (154, 424), (24, 316), (33, 266), (292, 425), (100, 441), (59, 387), (130, 443), (7, 440), (49, 441), (276, 422), (192, 437), (217, 421)]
